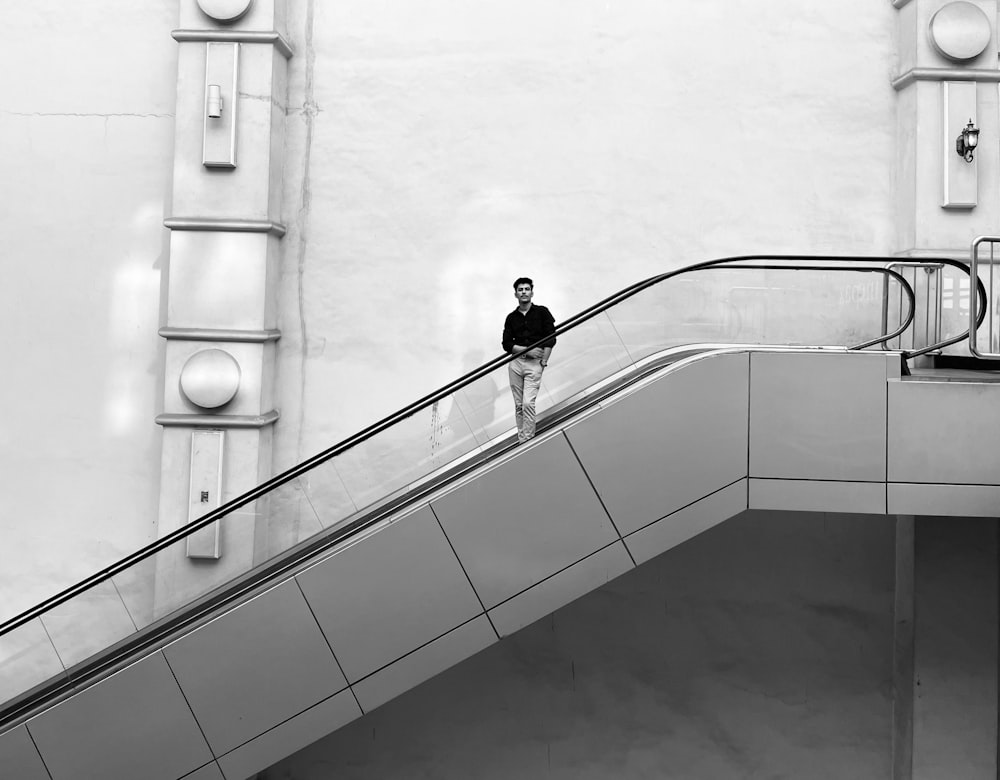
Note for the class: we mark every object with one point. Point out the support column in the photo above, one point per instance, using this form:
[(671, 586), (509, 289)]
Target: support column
[(225, 246), (945, 670)]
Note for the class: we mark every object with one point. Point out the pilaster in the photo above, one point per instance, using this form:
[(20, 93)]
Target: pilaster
[(945, 74), (221, 309)]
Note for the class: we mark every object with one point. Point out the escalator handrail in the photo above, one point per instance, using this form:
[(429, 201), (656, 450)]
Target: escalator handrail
[(408, 411)]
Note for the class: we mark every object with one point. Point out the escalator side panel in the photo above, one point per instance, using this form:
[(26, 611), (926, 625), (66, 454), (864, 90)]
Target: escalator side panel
[(520, 537), (944, 432), (209, 772), (678, 527), (527, 518), (944, 500), (562, 588), (425, 662), (818, 416), (680, 438), (254, 667), (133, 724), (19, 758), (392, 591), (816, 495), (291, 736)]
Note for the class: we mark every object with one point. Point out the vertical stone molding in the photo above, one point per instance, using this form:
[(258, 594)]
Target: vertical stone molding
[(946, 66), (225, 247)]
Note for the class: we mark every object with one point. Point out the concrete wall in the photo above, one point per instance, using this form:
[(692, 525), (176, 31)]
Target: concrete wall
[(760, 648), (86, 129)]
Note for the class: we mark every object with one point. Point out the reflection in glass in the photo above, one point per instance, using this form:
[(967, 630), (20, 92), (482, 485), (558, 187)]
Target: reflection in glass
[(27, 658)]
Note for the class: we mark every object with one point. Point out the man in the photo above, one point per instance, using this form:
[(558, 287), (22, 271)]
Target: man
[(524, 326)]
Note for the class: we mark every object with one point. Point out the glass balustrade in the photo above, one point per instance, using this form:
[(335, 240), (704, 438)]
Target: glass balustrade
[(724, 305)]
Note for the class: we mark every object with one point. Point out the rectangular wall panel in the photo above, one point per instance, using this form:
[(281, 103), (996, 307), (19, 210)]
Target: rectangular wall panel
[(944, 432), (818, 416)]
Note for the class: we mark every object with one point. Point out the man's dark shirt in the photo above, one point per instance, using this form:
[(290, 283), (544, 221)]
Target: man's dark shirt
[(525, 329)]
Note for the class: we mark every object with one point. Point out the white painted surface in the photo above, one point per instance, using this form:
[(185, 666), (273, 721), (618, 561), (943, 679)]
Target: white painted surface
[(435, 151), (87, 130), (455, 146)]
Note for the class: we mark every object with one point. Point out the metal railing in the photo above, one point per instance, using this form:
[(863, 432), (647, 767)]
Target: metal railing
[(929, 324), (978, 310)]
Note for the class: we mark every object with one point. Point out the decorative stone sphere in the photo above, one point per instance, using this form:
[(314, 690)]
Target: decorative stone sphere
[(960, 31), (225, 10), (210, 378)]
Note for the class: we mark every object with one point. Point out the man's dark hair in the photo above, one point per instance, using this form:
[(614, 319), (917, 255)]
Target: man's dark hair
[(524, 280)]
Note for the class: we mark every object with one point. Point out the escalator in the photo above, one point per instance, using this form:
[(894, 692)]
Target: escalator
[(427, 537)]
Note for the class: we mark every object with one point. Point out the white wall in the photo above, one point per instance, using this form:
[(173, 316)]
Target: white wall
[(436, 150), (439, 149), (760, 648), (86, 129)]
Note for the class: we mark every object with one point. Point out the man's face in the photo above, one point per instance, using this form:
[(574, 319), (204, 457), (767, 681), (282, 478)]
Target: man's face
[(523, 293)]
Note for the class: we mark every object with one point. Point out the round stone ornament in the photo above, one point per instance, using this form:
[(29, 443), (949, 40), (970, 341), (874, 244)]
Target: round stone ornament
[(225, 10), (210, 378), (960, 31)]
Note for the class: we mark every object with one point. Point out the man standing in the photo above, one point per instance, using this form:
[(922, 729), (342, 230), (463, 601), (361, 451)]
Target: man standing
[(524, 326)]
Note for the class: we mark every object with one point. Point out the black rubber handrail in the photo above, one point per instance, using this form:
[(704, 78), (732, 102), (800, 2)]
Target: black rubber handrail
[(424, 402)]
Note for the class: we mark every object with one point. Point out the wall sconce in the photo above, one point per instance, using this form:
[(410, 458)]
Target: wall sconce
[(221, 96), (214, 101), (966, 143)]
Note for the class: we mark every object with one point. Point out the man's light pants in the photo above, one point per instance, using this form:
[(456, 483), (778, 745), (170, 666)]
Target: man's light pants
[(525, 379)]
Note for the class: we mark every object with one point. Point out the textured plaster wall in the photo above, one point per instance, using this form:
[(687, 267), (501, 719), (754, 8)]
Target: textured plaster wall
[(761, 648), (435, 150), (86, 132), (438, 149)]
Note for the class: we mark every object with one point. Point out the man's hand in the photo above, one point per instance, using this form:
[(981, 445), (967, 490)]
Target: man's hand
[(536, 353)]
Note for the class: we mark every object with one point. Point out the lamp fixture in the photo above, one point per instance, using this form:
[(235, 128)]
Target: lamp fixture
[(214, 101), (965, 144)]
